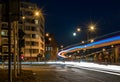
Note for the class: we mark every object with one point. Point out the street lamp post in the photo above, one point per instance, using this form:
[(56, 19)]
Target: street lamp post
[(90, 30), (50, 45)]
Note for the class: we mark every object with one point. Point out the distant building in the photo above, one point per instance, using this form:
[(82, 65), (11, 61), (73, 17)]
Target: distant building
[(32, 23), (51, 47)]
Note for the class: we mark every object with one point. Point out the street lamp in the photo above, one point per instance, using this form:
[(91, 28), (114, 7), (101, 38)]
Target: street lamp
[(61, 46), (83, 42), (38, 13), (49, 39), (74, 34), (47, 34), (92, 28), (92, 40), (78, 29), (23, 17)]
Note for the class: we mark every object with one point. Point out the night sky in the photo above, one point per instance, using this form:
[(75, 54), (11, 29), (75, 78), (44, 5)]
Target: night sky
[(63, 16)]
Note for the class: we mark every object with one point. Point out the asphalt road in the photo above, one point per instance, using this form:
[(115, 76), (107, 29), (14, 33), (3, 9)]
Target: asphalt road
[(61, 73)]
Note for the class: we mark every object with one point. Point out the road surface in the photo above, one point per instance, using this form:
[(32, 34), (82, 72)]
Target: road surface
[(62, 73)]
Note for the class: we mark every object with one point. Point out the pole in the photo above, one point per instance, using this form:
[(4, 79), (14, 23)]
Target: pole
[(9, 49), (20, 57), (15, 26)]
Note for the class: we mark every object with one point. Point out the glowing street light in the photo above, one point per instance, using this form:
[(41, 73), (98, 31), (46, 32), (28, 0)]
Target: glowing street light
[(78, 29), (112, 46), (83, 42), (23, 17), (92, 40), (74, 34), (92, 28), (103, 49), (38, 13), (50, 39), (61, 46), (47, 34)]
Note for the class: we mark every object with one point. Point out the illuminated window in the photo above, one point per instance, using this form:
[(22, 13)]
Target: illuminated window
[(36, 22), (49, 48), (37, 36), (4, 33)]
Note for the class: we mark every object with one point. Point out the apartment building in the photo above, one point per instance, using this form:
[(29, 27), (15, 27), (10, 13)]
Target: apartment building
[(32, 23)]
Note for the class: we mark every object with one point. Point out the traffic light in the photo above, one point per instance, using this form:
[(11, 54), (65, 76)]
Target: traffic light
[(21, 43), (21, 34)]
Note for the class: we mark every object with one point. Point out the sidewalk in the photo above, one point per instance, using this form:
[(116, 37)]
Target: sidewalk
[(26, 76)]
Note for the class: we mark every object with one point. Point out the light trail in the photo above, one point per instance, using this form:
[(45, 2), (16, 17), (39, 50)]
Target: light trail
[(110, 69), (104, 42)]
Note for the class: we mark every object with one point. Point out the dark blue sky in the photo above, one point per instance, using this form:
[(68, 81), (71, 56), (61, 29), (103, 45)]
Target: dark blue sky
[(63, 16)]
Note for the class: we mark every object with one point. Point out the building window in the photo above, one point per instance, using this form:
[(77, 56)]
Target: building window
[(4, 41), (32, 51), (30, 21), (35, 43), (36, 22), (24, 5), (46, 48), (4, 49), (4, 33), (27, 28), (4, 26), (28, 13), (28, 43), (34, 36), (27, 51), (49, 48), (35, 51), (33, 29), (28, 36)]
